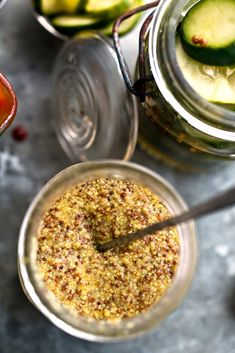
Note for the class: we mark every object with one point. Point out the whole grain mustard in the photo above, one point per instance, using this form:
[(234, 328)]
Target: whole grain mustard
[(121, 282)]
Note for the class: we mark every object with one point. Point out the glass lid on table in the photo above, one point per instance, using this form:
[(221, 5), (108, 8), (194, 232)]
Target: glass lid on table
[(95, 115)]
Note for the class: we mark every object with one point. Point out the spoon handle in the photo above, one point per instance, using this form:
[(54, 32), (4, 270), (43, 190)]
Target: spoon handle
[(220, 201)]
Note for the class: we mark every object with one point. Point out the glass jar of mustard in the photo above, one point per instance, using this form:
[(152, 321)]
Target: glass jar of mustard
[(43, 266)]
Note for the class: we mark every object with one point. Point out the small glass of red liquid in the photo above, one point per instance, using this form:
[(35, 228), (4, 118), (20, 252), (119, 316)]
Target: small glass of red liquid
[(8, 104)]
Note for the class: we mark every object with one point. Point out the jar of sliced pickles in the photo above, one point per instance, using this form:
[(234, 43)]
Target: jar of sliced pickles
[(186, 82)]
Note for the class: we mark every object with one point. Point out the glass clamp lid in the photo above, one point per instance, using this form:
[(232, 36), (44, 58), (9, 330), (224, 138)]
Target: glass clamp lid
[(95, 115)]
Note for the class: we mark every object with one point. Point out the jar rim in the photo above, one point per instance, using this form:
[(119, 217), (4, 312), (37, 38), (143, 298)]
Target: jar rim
[(2, 3), (212, 114), (142, 322)]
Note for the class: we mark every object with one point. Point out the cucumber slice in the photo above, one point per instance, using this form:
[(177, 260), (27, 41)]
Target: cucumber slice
[(126, 25), (55, 7), (70, 25), (107, 9), (49, 7), (70, 6), (214, 83), (208, 32)]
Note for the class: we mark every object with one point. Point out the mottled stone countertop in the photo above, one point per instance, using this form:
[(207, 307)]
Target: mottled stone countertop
[(204, 323)]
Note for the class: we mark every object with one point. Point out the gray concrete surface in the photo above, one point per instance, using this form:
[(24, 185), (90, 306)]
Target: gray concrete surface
[(205, 322)]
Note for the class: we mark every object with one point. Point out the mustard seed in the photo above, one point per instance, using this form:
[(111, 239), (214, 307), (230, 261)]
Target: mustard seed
[(119, 283)]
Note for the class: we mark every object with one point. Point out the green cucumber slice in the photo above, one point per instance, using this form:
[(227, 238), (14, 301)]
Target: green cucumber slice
[(214, 83), (208, 32), (70, 25), (70, 6), (107, 9), (127, 25), (49, 7), (55, 7)]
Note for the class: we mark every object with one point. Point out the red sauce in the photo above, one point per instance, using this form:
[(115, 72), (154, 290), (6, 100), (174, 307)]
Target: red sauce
[(7, 103)]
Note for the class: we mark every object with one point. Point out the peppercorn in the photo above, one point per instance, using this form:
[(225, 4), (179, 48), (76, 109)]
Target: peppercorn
[(19, 133)]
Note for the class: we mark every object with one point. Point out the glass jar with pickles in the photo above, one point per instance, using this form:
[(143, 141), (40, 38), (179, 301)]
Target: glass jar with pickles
[(186, 82)]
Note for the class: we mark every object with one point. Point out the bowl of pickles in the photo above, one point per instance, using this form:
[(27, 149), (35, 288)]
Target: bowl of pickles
[(65, 18)]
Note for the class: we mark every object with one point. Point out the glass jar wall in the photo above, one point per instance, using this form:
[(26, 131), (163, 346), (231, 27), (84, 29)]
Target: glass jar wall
[(176, 124)]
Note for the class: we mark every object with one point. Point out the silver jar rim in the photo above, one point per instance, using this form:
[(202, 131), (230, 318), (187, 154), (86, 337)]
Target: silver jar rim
[(163, 28)]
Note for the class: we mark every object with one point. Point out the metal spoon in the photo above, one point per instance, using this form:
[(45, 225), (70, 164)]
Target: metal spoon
[(222, 200)]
